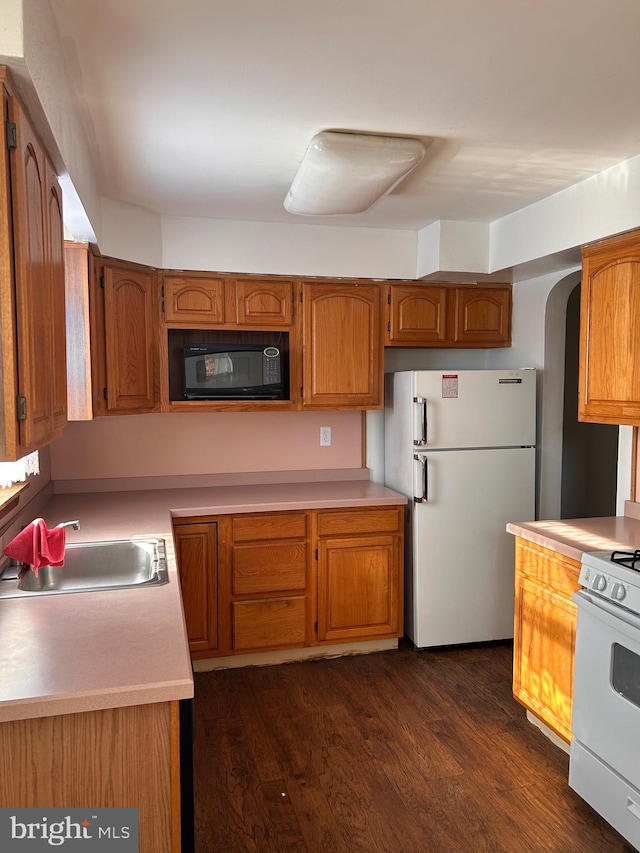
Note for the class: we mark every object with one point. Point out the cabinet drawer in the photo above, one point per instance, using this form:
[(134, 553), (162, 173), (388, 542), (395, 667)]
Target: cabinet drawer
[(555, 572), (359, 521), (269, 525), (270, 623), (268, 568)]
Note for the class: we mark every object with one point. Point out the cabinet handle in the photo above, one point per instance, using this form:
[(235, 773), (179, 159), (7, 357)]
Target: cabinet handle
[(422, 427), (423, 498)]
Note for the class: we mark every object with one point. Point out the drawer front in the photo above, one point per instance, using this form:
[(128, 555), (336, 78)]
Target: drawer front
[(269, 525), (553, 571), (268, 568), (337, 522), (271, 623)]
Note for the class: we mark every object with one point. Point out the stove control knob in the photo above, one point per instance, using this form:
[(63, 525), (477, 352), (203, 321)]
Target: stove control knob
[(599, 583), (618, 592)]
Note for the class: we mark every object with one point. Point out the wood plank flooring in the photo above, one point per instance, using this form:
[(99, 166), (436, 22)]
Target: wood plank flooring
[(403, 751)]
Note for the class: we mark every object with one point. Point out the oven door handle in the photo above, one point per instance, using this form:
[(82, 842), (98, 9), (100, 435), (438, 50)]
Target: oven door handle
[(613, 615)]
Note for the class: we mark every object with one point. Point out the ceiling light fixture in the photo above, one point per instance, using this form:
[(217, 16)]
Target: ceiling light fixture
[(347, 172)]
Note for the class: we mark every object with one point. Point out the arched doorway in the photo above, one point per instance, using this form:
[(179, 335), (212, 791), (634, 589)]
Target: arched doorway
[(564, 470), (589, 451)]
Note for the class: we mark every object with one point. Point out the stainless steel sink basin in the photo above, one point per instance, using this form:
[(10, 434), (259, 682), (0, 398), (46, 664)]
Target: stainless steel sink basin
[(91, 566)]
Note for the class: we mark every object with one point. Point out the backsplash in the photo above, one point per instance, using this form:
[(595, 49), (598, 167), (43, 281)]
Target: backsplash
[(208, 443)]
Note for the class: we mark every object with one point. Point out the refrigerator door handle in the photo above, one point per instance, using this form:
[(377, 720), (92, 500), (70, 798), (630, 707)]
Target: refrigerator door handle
[(422, 459), (422, 423)]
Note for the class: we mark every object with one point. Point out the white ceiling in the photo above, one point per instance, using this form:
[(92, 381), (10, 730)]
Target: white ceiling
[(205, 107)]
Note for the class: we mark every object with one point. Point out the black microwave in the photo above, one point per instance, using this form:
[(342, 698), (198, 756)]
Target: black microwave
[(235, 372)]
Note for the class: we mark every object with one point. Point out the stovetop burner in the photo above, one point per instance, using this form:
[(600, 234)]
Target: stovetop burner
[(629, 559)]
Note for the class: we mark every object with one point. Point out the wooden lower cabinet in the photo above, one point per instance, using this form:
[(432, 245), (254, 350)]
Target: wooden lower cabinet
[(544, 634), (268, 572), (360, 574), (357, 588), (124, 757), (197, 557), (292, 579)]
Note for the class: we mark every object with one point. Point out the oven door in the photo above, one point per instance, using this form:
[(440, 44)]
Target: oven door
[(606, 689), (604, 768)]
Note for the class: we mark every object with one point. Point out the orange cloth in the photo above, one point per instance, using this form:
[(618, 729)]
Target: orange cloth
[(38, 546)]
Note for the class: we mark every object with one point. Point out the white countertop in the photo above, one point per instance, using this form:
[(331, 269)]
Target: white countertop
[(87, 651)]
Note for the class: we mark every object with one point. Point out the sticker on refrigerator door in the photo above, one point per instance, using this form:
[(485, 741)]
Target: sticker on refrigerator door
[(509, 381), (449, 385)]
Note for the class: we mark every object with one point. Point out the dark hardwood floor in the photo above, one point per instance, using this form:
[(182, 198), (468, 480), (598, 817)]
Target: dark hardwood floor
[(394, 751)]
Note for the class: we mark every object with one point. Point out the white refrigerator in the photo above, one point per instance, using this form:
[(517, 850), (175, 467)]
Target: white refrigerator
[(460, 444)]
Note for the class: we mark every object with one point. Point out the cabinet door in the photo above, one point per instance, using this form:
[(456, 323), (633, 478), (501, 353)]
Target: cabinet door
[(264, 303), (609, 383), (544, 635), (193, 299), (78, 285), (342, 361), (8, 355), (33, 305), (131, 340), (54, 252), (358, 588), (483, 316), (417, 314), (197, 558)]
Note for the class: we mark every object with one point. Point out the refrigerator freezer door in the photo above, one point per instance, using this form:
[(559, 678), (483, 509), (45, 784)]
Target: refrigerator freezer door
[(474, 408), (460, 580)]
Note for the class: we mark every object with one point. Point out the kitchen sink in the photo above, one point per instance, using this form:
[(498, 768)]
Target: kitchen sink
[(92, 566)]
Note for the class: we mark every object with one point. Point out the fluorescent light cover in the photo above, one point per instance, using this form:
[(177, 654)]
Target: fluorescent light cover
[(348, 172)]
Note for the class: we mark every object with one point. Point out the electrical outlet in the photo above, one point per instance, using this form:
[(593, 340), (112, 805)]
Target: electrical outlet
[(325, 436)]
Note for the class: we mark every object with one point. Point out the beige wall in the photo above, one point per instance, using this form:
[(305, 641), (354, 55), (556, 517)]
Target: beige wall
[(206, 443)]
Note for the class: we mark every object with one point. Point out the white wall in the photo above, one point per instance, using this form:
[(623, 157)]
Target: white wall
[(11, 40), (130, 233), (283, 249), (597, 207), (30, 46)]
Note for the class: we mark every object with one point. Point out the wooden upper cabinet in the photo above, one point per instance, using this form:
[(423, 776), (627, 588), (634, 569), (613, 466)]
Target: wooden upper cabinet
[(342, 347), (609, 369), (218, 301), (39, 289), (417, 314), (131, 339), (54, 251), (264, 302), (483, 315), (448, 315), (194, 299)]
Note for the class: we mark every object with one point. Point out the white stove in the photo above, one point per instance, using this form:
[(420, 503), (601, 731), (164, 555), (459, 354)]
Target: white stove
[(614, 575), (604, 767)]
